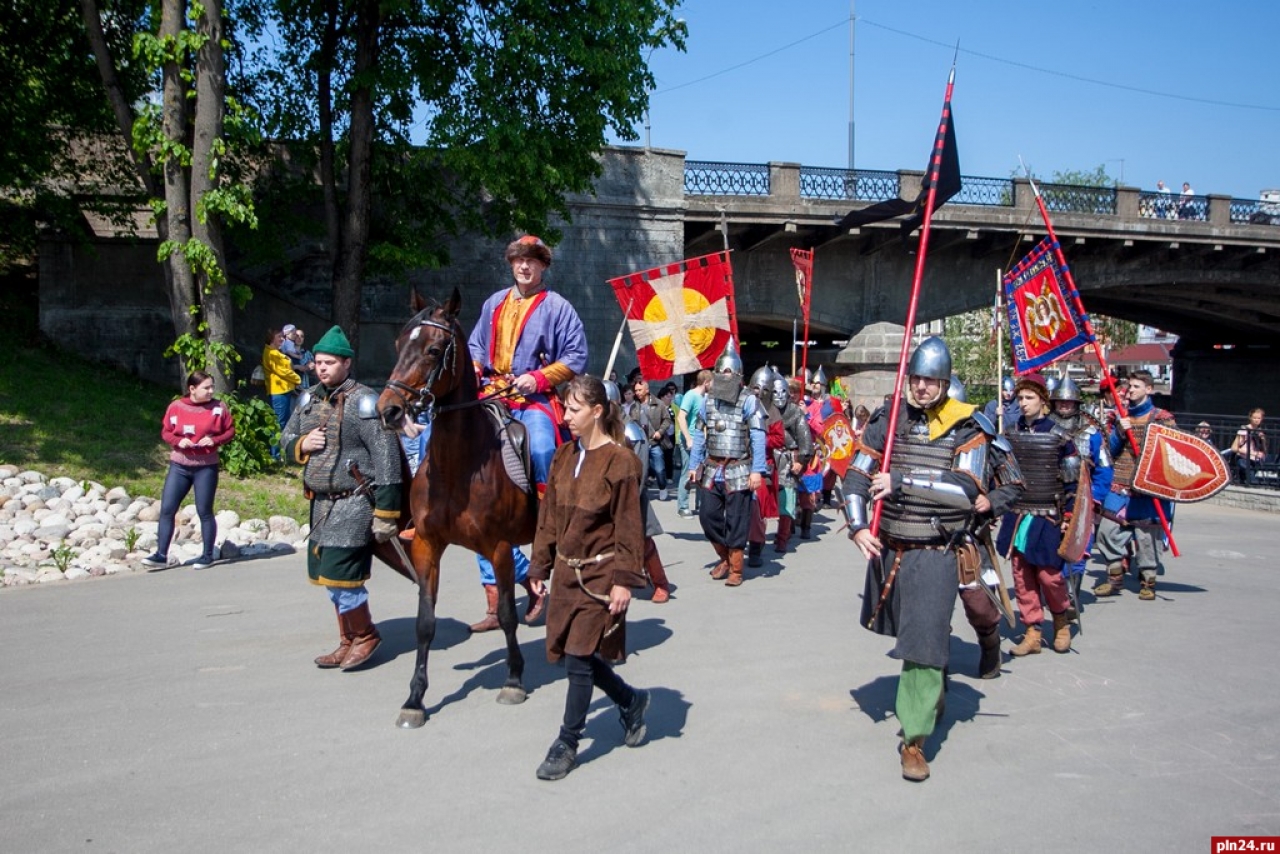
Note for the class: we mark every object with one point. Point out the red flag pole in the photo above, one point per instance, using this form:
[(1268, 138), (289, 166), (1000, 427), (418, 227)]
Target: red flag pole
[(935, 165), (808, 300), (1108, 382)]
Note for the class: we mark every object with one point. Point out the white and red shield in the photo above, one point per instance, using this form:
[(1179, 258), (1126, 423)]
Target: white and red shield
[(679, 315), (837, 436), (1179, 467)]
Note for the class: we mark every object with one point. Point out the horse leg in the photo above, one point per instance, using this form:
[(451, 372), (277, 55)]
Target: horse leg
[(504, 571), (413, 714)]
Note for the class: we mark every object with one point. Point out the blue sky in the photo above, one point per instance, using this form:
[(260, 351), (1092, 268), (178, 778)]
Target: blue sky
[(1056, 83)]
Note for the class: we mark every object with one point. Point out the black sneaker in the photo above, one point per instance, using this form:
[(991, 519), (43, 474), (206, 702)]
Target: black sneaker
[(156, 561), (633, 724), (561, 759)]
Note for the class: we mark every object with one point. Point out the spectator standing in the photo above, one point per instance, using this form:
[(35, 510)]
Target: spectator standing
[(195, 427), (281, 381), (1249, 450), (1164, 205), (1187, 203), (689, 424), (300, 358), (660, 431)]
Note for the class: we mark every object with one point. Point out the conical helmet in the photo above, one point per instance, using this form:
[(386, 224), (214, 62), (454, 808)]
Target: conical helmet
[(956, 390), (820, 378), (1066, 390), (1007, 384), (612, 392), (931, 359), (762, 381), (729, 360), (781, 391)]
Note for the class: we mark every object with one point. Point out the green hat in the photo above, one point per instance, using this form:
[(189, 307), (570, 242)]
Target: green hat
[(335, 343)]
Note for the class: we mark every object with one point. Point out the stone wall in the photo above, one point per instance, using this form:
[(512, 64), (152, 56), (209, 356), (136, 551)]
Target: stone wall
[(106, 300)]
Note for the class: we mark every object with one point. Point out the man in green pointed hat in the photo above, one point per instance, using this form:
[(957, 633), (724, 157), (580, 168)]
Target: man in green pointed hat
[(335, 434)]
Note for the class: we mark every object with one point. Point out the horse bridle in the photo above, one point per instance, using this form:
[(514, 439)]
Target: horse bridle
[(419, 400)]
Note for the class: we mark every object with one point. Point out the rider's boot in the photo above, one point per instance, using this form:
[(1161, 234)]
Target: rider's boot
[(334, 659), (490, 621), (537, 601)]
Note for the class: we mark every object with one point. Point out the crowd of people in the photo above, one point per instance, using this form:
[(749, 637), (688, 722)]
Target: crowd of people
[(963, 489)]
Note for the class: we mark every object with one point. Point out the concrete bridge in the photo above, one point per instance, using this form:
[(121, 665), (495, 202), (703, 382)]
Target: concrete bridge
[(1208, 270)]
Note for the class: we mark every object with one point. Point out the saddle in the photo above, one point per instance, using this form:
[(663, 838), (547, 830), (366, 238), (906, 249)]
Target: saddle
[(514, 439)]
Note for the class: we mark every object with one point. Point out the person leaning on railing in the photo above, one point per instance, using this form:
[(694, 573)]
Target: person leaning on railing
[(1249, 449)]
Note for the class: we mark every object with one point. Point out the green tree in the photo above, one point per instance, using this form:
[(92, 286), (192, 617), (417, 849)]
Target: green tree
[(180, 153), (511, 100)]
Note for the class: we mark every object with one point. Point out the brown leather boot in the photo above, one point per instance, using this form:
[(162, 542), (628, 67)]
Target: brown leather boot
[(914, 767), (1148, 590), (784, 535), (334, 659), (721, 570), (364, 637), (490, 621), (735, 568), (1030, 643), (1061, 633), (657, 575), (537, 601)]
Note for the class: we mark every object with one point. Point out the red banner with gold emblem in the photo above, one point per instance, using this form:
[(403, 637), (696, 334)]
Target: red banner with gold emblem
[(837, 435), (1179, 467), (680, 315)]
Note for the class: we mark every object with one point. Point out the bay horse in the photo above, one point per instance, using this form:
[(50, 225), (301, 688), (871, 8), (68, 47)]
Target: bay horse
[(461, 494)]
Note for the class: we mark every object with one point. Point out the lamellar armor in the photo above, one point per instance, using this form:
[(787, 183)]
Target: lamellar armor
[(340, 515), (798, 445), (1044, 470)]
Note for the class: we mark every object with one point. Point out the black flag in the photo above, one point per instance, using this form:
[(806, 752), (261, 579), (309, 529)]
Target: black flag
[(944, 167)]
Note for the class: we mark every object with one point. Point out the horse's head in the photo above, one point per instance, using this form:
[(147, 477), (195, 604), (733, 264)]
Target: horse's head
[(431, 361)]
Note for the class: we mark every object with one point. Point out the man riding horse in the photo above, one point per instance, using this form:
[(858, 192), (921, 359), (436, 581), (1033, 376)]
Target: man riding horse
[(528, 340)]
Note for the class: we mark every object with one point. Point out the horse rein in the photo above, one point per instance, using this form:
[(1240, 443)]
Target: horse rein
[(419, 400)]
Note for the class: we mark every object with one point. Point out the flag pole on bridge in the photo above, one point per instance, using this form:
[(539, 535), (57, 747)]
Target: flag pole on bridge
[(943, 152), (1107, 382)]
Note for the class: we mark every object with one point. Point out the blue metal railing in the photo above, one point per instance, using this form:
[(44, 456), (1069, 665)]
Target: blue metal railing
[(706, 178)]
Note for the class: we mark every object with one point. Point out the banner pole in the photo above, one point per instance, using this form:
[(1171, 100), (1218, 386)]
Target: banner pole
[(999, 351), (617, 341), (921, 254), (1107, 382)]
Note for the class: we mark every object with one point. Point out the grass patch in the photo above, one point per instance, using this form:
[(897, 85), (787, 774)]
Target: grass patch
[(66, 416)]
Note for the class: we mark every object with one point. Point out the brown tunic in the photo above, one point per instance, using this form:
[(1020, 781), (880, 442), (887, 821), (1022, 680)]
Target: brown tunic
[(595, 511)]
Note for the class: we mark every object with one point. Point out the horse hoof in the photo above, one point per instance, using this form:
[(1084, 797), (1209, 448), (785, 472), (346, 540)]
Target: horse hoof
[(411, 718), (509, 696)]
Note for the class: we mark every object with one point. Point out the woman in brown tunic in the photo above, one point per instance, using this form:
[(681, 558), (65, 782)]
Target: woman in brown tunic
[(590, 531)]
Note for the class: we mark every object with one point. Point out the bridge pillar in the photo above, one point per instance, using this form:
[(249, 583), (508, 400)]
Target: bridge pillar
[(1024, 199), (869, 363), (784, 181), (1224, 382), (1219, 210), (1127, 202)]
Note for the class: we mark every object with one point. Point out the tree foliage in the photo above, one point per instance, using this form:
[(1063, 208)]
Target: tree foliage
[(424, 119)]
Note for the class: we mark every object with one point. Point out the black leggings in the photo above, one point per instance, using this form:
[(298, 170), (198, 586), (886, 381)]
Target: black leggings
[(585, 673), (177, 484)]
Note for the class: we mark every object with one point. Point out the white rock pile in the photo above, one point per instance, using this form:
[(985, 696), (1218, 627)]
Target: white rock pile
[(62, 530)]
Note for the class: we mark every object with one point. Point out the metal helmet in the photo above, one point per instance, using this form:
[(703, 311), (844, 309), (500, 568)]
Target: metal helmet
[(820, 377), (1051, 383), (781, 392), (729, 360), (762, 381), (931, 359), (1066, 390), (611, 392), (956, 390), (1007, 384)]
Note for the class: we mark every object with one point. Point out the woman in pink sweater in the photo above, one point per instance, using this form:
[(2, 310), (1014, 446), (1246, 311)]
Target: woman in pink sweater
[(195, 427)]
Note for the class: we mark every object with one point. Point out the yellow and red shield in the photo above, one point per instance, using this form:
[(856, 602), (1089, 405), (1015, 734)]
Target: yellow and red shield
[(1179, 467), (837, 436)]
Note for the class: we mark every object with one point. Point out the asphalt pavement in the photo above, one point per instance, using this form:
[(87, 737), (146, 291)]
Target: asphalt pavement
[(180, 711)]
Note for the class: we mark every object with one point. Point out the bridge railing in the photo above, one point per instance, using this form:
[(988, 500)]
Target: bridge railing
[(708, 178)]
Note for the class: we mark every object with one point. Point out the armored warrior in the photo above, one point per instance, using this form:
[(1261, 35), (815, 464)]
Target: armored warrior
[(1003, 411), (352, 476), (729, 463), (765, 505), (1093, 452), (1032, 531), (792, 458), (1129, 516), (944, 456)]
